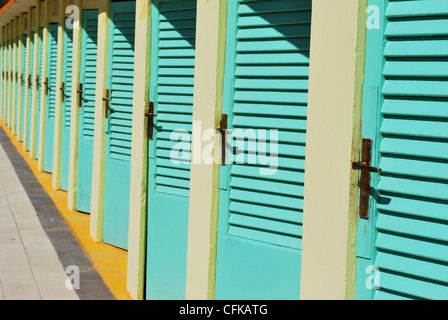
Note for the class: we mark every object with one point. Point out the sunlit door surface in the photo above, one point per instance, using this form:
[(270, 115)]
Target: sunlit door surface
[(119, 123), (172, 79), (87, 109), (51, 97), (66, 106), (405, 113), (261, 196)]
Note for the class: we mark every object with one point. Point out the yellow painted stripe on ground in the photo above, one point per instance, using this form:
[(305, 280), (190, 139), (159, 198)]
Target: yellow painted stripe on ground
[(110, 262)]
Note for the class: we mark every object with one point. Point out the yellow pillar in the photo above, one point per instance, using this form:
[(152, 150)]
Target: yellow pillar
[(333, 135), (34, 102), (13, 114), (26, 132), (20, 76), (43, 99), (139, 161), (204, 185), (2, 55), (58, 107), (13, 74), (74, 126), (99, 143)]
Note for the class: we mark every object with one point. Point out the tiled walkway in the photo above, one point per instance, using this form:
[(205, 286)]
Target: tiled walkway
[(36, 245)]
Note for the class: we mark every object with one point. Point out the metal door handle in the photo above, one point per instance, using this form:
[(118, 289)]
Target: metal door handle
[(107, 100), (46, 86), (150, 115), (364, 166), (80, 95), (62, 88), (223, 131)]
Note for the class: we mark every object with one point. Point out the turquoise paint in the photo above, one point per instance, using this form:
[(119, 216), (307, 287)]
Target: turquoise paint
[(9, 86), (87, 110), (16, 114), (407, 120), (51, 97), (23, 80), (30, 92), (266, 87), (119, 123), (2, 67), (8, 109), (172, 79), (66, 106), (8, 90), (39, 90)]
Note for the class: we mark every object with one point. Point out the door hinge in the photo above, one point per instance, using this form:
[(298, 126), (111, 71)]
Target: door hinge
[(364, 183), (150, 115), (46, 86), (107, 100), (223, 131), (80, 95), (63, 91)]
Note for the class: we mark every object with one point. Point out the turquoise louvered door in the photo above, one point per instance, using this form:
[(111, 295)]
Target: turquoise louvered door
[(11, 85), (23, 81), (66, 106), (8, 113), (261, 197), (172, 79), (87, 109), (406, 114), (119, 123), (40, 87), (2, 83), (7, 77), (30, 91), (50, 107), (16, 79)]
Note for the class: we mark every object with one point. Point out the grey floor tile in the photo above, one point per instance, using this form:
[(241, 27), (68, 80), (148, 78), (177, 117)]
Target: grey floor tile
[(36, 244)]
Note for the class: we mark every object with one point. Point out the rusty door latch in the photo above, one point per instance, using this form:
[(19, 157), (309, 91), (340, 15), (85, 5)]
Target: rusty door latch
[(223, 131), (150, 115), (107, 100), (364, 184), (63, 91), (79, 91)]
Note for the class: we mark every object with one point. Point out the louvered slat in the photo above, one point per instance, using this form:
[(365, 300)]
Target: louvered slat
[(271, 92), (90, 79), (7, 81), (17, 55), (40, 86), (121, 86), (176, 61), (30, 92), (52, 71), (412, 229), (68, 67), (39, 68), (24, 62)]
